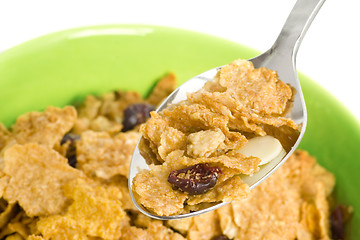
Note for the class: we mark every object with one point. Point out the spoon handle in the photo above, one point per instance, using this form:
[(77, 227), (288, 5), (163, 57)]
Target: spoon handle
[(296, 25)]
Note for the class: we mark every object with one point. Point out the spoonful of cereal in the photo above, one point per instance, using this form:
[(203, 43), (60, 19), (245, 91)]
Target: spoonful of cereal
[(223, 132)]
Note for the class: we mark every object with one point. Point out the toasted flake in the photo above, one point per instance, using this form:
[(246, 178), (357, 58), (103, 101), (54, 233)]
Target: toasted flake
[(96, 211), (194, 117), (257, 89), (46, 128), (181, 225), (171, 140), (205, 226), (20, 225), (4, 180), (7, 213), (157, 230), (134, 233), (114, 104), (90, 107), (58, 227), (226, 221), (37, 175), (4, 136), (162, 89), (156, 194), (232, 160), (230, 189), (34, 237), (14, 236), (102, 123), (121, 183), (103, 156)]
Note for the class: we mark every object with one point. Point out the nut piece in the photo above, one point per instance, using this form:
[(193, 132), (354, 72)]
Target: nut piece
[(197, 179)]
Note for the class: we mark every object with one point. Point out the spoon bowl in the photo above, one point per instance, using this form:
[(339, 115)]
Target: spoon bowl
[(281, 58)]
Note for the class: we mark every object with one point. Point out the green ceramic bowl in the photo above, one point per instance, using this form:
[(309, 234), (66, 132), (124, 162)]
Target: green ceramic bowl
[(61, 68)]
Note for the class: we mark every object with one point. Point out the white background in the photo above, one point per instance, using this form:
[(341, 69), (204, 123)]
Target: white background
[(329, 53)]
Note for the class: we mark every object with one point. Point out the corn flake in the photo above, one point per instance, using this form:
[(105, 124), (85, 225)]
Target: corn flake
[(95, 212), (46, 128), (37, 175), (156, 194), (162, 89), (103, 156), (4, 136)]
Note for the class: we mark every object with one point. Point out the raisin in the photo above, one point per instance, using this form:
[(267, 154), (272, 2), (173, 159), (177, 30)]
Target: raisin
[(337, 223), (220, 237), (72, 137), (197, 179), (136, 114), (71, 151)]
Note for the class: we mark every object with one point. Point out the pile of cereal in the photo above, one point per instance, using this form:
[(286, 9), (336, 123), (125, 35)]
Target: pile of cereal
[(63, 175), (193, 146)]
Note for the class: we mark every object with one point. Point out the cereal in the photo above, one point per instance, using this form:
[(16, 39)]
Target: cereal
[(7, 212), (230, 189), (155, 230), (4, 136), (20, 225), (162, 89), (172, 202), (37, 175), (204, 227), (46, 128), (4, 180), (34, 237), (214, 122), (258, 90), (105, 113), (42, 197), (103, 156), (96, 211), (283, 206)]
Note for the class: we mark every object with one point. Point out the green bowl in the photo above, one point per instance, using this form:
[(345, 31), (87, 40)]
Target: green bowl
[(63, 67)]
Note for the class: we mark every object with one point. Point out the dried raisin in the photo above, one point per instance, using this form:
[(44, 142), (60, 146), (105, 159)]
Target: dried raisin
[(337, 223), (196, 179), (136, 114), (72, 137), (71, 151)]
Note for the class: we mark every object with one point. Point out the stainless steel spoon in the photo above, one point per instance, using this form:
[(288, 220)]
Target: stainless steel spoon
[(280, 57)]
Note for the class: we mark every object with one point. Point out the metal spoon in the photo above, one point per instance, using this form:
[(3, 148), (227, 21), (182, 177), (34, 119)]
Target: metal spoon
[(281, 58)]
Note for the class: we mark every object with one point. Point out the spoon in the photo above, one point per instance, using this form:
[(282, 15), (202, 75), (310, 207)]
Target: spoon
[(281, 58)]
